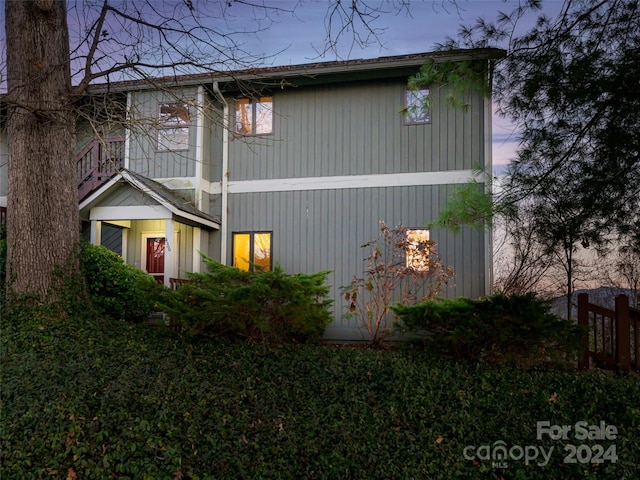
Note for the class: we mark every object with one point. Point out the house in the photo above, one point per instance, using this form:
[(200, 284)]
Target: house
[(295, 165)]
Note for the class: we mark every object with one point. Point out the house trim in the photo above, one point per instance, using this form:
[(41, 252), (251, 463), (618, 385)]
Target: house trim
[(163, 210), (344, 182), (139, 212)]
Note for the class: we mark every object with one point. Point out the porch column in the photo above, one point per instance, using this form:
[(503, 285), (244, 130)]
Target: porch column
[(197, 242), (169, 251), (96, 232)]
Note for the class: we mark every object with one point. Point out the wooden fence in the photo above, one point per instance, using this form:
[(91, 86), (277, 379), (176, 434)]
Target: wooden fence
[(613, 336)]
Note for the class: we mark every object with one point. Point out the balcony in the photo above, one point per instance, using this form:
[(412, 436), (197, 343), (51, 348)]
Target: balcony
[(97, 163)]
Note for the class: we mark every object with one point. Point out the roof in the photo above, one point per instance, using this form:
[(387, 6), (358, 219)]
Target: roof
[(316, 70), (177, 205)]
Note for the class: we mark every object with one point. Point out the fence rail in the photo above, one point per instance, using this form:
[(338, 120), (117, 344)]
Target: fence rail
[(613, 336), (97, 163)]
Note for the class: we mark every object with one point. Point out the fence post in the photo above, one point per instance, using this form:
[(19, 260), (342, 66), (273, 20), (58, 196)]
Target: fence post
[(583, 321), (623, 327)]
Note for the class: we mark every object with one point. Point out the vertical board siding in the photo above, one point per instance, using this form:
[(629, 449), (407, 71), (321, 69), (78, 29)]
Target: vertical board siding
[(338, 130), (4, 162), (144, 157), (324, 229)]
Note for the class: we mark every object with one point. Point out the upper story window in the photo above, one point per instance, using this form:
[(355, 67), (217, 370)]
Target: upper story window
[(173, 126), (254, 116), (416, 106)]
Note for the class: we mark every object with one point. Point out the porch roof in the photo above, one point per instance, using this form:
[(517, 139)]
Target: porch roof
[(180, 209)]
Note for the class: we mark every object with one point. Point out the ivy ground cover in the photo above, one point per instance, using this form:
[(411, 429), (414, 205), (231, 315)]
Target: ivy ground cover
[(97, 399)]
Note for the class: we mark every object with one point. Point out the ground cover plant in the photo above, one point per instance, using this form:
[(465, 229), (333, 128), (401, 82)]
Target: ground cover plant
[(90, 398)]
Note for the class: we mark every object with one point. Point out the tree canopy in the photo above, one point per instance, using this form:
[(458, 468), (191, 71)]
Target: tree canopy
[(570, 86)]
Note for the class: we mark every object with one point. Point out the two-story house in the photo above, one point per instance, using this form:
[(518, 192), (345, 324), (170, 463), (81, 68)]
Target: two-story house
[(295, 165)]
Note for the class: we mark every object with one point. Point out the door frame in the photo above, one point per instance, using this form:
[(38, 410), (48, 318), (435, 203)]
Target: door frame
[(144, 236)]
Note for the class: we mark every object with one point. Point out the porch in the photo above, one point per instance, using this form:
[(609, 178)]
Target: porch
[(148, 225)]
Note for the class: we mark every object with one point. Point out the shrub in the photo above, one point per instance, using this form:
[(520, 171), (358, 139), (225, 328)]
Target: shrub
[(387, 278), (117, 290), (499, 328), (270, 306)]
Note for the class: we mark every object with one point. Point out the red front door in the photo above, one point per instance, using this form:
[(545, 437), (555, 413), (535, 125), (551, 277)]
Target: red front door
[(155, 258)]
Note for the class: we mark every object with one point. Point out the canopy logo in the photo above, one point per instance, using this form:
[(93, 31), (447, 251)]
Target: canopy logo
[(501, 454)]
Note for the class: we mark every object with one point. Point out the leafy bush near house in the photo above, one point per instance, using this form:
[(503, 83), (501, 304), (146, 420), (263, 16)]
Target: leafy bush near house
[(269, 306), (97, 399), (117, 290), (498, 328), (401, 266)]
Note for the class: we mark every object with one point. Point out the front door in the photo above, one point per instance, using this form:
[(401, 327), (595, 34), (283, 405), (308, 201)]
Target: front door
[(155, 258)]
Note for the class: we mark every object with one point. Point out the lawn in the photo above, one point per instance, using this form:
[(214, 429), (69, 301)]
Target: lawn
[(97, 400)]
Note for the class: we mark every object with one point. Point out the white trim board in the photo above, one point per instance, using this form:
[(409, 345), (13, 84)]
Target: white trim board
[(133, 212), (347, 181)]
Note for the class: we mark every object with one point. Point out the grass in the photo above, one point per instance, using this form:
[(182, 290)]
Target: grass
[(96, 399)]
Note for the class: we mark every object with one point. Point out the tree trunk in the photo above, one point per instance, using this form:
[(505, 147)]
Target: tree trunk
[(42, 214)]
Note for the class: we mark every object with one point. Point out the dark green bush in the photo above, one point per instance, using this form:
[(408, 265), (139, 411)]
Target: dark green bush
[(497, 328), (117, 290), (270, 306)]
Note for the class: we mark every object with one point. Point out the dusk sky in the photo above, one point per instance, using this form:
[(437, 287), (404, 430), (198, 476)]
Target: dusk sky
[(417, 28), (295, 32)]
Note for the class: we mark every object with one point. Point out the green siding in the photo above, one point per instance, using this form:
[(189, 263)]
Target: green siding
[(357, 129), (323, 229), (4, 162), (144, 157)]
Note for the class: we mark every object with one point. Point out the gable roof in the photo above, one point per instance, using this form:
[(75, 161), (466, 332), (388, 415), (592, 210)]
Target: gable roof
[(184, 211), (316, 72)]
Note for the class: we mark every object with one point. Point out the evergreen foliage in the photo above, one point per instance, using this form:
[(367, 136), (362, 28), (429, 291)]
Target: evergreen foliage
[(499, 328), (270, 306), (95, 399)]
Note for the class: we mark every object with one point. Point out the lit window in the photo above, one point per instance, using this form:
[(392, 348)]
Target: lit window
[(252, 251), (419, 249), (173, 130), (417, 106), (254, 117)]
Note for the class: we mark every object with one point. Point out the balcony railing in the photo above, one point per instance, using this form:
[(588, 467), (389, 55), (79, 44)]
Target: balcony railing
[(97, 163)]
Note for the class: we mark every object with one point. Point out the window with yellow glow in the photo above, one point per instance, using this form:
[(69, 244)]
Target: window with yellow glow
[(254, 117), (418, 249), (252, 251)]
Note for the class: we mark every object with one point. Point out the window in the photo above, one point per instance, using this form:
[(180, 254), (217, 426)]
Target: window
[(173, 130), (419, 249), (252, 251), (254, 117), (417, 109)]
